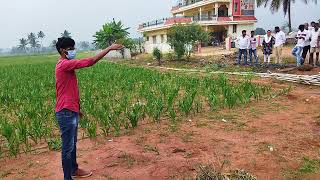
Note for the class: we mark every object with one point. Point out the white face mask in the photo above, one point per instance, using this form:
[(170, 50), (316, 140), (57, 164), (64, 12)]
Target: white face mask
[(71, 54)]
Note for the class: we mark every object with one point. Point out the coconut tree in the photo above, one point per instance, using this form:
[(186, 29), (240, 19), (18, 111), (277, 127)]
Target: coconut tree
[(66, 34), (23, 44), (53, 44), (33, 41), (286, 7), (41, 36)]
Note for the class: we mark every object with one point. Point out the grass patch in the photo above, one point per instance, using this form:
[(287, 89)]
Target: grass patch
[(208, 172), (309, 166), (127, 159), (151, 148), (54, 144), (4, 174)]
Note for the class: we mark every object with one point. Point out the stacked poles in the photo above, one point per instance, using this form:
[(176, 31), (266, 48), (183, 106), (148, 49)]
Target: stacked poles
[(302, 79)]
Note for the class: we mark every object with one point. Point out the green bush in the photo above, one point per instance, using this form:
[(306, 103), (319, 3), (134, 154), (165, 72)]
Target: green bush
[(157, 55), (170, 56), (183, 37)]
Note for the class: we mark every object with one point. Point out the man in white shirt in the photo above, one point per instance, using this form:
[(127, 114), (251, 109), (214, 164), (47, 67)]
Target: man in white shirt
[(243, 43), (315, 46), (312, 25), (280, 40), (253, 48), (296, 51), (306, 47)]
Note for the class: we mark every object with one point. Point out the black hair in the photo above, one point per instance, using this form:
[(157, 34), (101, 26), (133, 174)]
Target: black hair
[(252, 31), (244, 31), (277, 27), (64, 42), (313, 22), (301, 27), (269, 31)]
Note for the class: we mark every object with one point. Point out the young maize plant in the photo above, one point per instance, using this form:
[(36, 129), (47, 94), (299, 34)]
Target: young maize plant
[(115, 98)]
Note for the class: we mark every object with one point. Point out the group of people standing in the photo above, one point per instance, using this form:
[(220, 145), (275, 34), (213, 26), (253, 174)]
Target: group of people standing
[(307, 41)]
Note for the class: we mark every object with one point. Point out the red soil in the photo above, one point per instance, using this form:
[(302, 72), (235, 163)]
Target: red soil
[(161, 151)]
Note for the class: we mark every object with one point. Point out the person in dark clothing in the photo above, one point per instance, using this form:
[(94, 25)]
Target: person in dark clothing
[(306, 47)]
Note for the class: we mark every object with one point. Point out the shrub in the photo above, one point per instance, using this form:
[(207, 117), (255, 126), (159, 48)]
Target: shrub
[(157, 55), (183, 37), (170, 56)]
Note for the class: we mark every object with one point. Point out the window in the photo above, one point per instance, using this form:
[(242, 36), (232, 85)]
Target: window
[(234, 28), (162, 38), (236, 7), (154, 39)]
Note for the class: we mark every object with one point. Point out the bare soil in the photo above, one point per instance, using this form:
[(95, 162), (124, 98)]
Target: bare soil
[(268, 138)]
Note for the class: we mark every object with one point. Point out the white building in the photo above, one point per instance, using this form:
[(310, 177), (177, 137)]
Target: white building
[(222, 19)]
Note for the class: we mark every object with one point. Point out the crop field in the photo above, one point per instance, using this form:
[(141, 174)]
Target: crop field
[(144, 123), (115, 98)]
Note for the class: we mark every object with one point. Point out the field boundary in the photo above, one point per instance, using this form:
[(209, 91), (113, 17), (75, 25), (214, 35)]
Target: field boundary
[(301, 79)]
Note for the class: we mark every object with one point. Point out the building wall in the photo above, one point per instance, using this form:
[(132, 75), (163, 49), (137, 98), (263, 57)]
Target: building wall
[(149, 43), (159, 42), (239, 28)]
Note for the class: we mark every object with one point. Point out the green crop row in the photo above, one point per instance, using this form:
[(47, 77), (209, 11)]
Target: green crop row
[(115, 99)]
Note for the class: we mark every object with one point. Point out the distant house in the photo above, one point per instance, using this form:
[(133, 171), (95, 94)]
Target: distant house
[(223, 19)]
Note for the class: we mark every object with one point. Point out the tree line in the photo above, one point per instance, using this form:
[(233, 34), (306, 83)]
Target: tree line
[(33, 44)]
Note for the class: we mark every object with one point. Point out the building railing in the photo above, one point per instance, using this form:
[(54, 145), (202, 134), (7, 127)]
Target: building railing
[(164, 21), (205, 18), (187, 3), (173, 20), (154, 23)]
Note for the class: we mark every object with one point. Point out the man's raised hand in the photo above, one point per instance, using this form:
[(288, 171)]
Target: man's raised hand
[(104, 52), (116, 47)]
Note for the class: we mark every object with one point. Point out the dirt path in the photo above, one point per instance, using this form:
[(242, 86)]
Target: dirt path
[(268, 138)]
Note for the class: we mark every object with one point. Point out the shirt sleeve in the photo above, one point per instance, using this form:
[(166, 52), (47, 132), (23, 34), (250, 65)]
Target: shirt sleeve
[(71, 65), (248, 43), (284, 37)]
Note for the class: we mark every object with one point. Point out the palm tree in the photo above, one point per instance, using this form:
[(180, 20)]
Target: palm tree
[(41, 36), (33, 41), (23, 44), (53, 44), (276, 4), (66, 34)]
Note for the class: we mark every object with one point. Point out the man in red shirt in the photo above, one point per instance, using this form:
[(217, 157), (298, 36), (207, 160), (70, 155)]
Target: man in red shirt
[(68, 102)]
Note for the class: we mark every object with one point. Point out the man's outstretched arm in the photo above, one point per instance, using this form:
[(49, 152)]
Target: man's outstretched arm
[(104, 52), (87, 62)]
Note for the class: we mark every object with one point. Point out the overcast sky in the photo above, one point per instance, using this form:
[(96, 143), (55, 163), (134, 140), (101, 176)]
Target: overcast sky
[(84, 17)]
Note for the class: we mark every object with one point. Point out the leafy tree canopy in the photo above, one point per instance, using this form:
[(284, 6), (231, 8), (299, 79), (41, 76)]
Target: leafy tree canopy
[(113, 32), (183, 38)]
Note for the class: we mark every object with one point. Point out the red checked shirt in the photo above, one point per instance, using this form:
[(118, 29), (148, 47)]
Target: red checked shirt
[(67, 91)]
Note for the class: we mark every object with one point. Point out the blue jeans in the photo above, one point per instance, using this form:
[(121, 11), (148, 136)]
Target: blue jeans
[(254, 52), (68, 122), (244, 53), (296, 51)]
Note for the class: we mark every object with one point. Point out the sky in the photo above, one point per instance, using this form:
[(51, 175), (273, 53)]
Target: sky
[(84, 17)]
